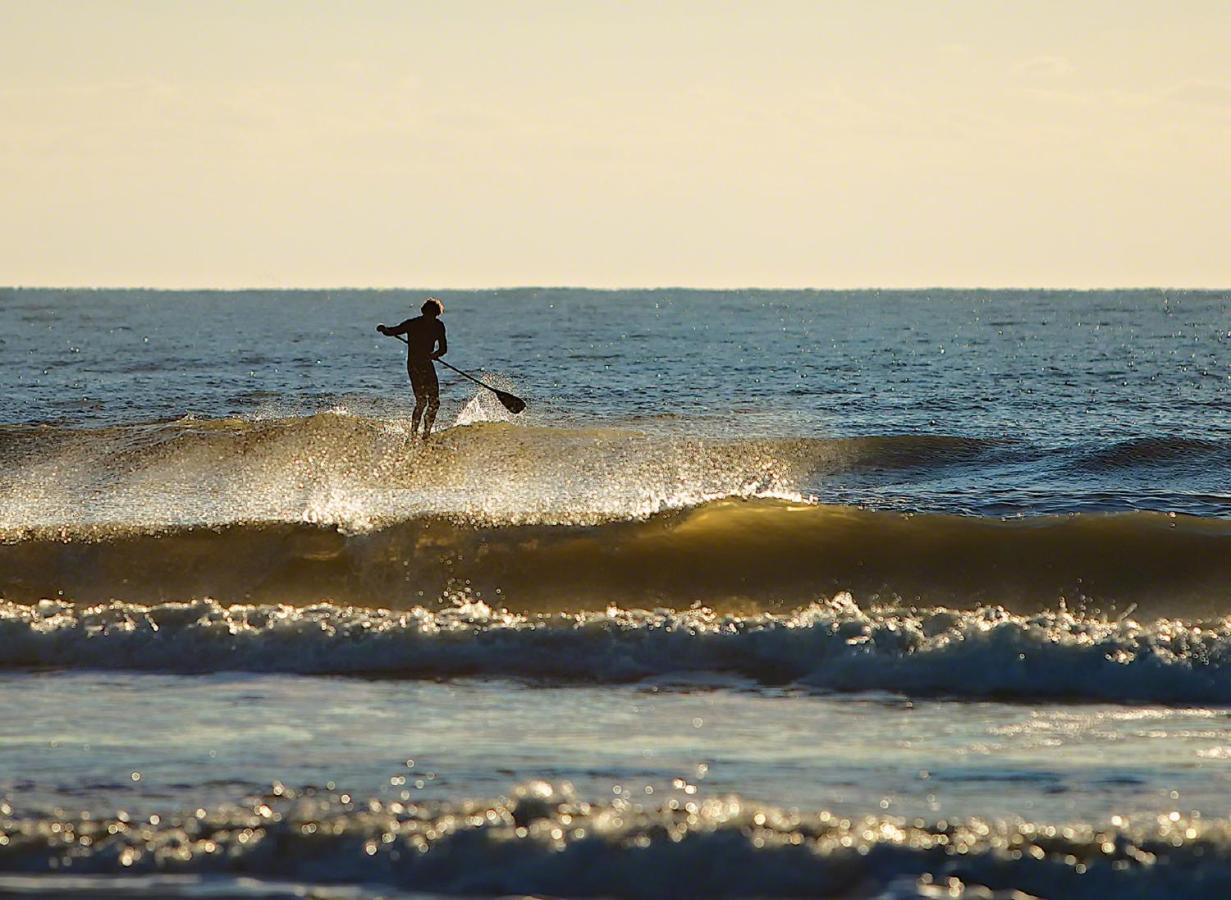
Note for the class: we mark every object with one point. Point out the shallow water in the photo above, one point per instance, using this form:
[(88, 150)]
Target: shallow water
[(368, 745), (768, 593), (788, 747)]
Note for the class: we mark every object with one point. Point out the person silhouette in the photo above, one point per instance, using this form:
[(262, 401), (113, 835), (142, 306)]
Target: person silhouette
[(425, 342)]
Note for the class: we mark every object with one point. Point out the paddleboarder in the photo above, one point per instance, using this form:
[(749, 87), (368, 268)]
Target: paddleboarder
[(425, 343)]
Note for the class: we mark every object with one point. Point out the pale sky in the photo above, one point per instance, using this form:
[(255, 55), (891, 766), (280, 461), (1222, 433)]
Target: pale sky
[(463, 143)]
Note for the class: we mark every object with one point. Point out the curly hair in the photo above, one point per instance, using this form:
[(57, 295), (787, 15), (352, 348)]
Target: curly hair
[(432, 306)]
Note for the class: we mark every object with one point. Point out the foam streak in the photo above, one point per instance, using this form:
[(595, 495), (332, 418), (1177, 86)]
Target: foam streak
[(834, 646)]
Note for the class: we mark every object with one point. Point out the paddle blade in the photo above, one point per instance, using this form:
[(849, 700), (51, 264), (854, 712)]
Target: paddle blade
[(511, 403)]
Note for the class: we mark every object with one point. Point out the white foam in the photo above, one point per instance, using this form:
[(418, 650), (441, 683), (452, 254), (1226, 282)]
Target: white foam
[(543, 840), (833, 646)]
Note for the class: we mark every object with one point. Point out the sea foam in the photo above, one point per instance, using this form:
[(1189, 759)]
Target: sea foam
[(831, 646), (543, 840)]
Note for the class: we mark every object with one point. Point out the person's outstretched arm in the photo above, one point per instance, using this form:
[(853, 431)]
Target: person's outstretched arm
[(393, 331), (443, 342)]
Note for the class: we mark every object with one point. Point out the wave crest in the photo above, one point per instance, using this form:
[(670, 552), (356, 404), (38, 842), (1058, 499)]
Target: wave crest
[(834, 646), (354, 472), (1152, 453)]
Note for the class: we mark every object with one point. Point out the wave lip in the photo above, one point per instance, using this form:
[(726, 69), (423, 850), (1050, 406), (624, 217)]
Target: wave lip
[(542, 840), (836, 646), (352, 470)]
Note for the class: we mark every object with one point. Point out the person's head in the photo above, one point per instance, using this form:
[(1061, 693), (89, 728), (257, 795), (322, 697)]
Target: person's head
[(432, 308)]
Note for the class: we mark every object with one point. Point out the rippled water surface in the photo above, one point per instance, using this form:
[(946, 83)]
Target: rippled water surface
[(875, 594)]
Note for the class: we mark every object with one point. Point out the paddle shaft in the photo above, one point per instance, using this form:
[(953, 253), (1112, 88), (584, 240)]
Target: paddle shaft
[(454, 368)]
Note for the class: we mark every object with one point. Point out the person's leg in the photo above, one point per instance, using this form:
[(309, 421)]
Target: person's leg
[(432, 396), (416, 385)]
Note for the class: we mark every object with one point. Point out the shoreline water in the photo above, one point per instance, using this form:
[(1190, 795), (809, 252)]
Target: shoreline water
[(310, 782)]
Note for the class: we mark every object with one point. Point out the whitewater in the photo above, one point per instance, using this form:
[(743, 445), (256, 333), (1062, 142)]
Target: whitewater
[(767, 594)]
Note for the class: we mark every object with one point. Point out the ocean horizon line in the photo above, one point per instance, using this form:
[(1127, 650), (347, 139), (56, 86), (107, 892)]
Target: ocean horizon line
[(867, 289)]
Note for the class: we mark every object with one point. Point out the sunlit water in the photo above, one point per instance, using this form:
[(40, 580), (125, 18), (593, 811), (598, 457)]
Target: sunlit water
[(1064, 456), (1105, 398), (787, 747)]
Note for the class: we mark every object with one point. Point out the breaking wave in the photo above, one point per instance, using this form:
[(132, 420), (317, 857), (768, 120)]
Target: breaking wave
[(542, 840), (834, 646), (354, 472), (758, 553), (352, 509)]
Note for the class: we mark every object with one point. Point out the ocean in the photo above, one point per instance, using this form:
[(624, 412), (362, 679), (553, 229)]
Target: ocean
[(875, 594)]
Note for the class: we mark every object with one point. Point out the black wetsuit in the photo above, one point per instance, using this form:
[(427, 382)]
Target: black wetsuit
[(422, 334)]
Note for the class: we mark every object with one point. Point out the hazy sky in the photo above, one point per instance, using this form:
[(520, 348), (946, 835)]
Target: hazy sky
[(711, 144)]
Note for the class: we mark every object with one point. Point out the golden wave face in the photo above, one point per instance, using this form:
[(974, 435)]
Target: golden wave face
[(731, 554)]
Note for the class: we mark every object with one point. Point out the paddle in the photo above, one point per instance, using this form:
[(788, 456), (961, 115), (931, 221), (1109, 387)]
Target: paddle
[(510, 402)]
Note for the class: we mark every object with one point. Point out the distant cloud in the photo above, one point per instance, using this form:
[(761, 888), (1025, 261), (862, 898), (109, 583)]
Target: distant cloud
[(1207, 93), (1044, 67)]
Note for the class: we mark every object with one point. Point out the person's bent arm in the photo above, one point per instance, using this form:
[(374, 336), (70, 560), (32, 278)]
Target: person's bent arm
[(443, 342)]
